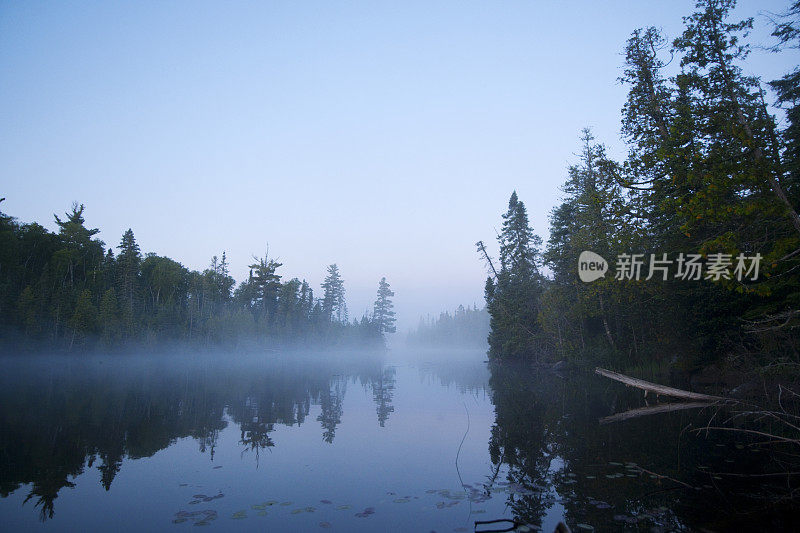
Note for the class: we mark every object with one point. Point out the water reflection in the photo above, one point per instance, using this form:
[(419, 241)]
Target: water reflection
[(60, 418), (652, 472), (435, 444)]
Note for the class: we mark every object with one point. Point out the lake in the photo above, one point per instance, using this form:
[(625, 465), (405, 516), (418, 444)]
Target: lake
[(371, 442)]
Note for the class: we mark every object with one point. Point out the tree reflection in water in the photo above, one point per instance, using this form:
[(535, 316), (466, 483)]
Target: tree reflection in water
[(61, 416), (648, 471)]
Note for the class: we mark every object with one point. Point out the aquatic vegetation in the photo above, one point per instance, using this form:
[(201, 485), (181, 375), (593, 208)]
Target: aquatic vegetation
[(200, 518), (367, 512)]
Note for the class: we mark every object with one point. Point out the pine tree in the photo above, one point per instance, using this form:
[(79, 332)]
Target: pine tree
[(80, 252), (787, 90), (512, 299), (265, 284), (383, 314), (128, 263), (333, 301), (519, 247)]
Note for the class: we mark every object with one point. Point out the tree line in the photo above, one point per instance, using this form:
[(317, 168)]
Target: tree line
[(67, 290), (466, 327), (711, 180)]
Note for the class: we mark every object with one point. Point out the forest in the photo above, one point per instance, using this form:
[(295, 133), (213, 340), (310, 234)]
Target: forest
[(68, 291), (466, 327), (711, 178)]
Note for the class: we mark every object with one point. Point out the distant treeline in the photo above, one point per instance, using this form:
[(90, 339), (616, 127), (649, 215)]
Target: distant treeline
[(67, 290), (708, 195), (465, 328)]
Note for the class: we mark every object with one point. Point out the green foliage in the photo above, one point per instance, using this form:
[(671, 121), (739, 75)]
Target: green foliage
[(708, 171), (466, 327), (383, 314), (512, 297), (84, 319), (333, 301), (65, 290)]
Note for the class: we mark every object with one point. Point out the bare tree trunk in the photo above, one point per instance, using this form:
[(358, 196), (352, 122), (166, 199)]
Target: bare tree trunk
[(605, 325)]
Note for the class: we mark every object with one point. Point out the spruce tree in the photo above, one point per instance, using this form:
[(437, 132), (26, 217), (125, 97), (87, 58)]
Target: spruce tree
[(333, 301), (512, 299), (383, 314), (128, 263)]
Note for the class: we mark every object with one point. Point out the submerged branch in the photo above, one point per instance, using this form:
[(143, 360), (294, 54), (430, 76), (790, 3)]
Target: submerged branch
[(656, 388), (652, 410)]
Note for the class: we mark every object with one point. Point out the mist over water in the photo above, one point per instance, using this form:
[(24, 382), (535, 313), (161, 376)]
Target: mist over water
[(301, 441), (400, 266)]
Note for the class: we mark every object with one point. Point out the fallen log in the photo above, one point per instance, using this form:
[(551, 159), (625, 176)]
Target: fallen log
[(656, 388), (653, 410)]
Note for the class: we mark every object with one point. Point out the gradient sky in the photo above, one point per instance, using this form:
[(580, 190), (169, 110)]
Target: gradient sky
[(383, 136)]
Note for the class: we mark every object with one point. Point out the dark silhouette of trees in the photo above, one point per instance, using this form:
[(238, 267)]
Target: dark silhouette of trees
[(65, 290)]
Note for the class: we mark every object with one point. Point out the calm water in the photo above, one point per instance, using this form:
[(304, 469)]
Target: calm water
[(374, 443)]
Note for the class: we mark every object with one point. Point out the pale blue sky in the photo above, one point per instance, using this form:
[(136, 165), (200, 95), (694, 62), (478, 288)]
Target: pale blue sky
[(383, 136)]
